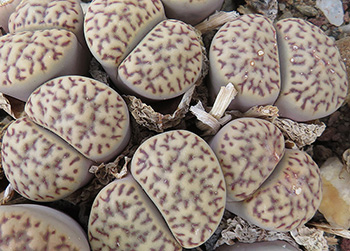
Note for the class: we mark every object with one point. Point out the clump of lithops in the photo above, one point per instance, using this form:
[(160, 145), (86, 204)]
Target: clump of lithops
[(35, 227), (185, 190), (305, 77), (288, 198), (143, 54), (190, 11), (71, 123), (248, 150)]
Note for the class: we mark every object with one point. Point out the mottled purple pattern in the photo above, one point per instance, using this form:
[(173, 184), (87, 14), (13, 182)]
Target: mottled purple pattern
[(182, 176), (39, 165), (248, 150), (291, 195), (124, 218), (314, 81)]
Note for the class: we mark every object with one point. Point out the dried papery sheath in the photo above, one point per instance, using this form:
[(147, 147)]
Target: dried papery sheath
[(12, 106), (301, 134), (39, 165), (313, 75), (30, 58), (211, 122), (244, 52), (191, 11), (311, 239), (36, 227), (48, 14), (259, 246), (165, 64), (124, 218), (288, 198), (113, 28), (239, 230), (183, 178), (216, 21), (146, 116), (86, 113), (248, 150)]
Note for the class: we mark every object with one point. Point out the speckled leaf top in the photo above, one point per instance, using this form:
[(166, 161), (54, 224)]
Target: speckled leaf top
[(248, 150), (166, 63), (244, 52), (35, 227), (114, 27), (30, 58), (181, 174), (47, 14), (39, 165), (314, 81), (124, 218), (88, 114), (290, 196)]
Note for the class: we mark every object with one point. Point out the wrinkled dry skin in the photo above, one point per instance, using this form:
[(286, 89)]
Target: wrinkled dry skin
[(183, 178), (314, 80), (191, 11), (46, 14), (244, 52), (248, 150), (35, 227), (39, 165), (86, 113), (124, 218), (30, 58), (113, 28), (289, 197), (165, 64)]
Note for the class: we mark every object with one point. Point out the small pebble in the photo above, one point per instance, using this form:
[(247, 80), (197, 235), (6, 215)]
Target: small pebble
[(307, 10)]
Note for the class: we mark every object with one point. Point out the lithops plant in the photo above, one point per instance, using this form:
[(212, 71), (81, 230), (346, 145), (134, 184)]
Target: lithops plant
[(47, 14), (190, 11), (72, 122), (244, 52), (86, 113), (124, 218), (248, 150), (30, 58), (36, 227), (6, 9), (39, 165), (288, 198), (182, 176), (314, 80), (113, 28), (165, 64)]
